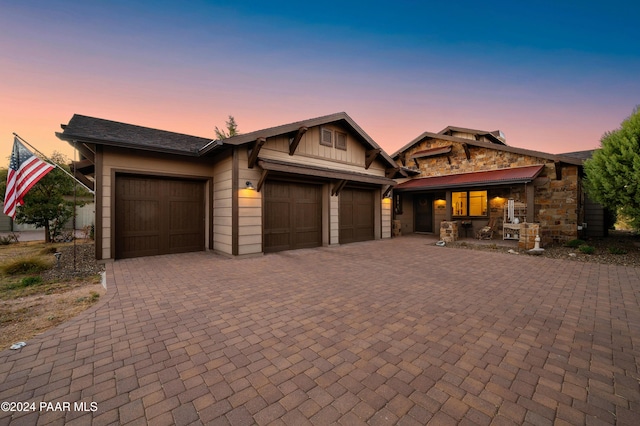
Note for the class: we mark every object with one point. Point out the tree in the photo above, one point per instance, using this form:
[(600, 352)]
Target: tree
[(232, 129), (45, 205), (613, 173)]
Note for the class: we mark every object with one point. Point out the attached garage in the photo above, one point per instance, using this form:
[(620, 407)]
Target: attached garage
[(357, 215), (292, 215), (157, 215)]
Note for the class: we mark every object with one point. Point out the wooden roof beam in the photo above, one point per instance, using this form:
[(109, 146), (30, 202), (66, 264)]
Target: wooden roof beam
[(371, 155), (466, 152), (85, 151), (338, 187), (265, 173), (254, 151), (295, 141), (558, 167), (85, 180)]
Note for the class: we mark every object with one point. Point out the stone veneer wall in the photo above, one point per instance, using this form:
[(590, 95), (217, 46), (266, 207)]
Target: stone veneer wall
[(449, 231), (528, 232), (557, 206)]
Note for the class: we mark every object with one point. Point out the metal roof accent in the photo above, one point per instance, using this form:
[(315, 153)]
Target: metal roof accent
[(484, 178)]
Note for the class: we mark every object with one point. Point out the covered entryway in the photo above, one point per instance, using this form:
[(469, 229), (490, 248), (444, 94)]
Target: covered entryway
[(292, 215), (356, 215), (158, 215)]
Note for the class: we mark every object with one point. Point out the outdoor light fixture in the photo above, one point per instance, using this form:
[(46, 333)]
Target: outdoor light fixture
[(250, 186)]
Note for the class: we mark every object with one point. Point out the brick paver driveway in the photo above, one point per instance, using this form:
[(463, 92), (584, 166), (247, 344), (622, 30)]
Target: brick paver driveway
[(385, 332)]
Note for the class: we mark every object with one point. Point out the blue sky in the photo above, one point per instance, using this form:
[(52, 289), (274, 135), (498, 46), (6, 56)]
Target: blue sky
[(554, 76)]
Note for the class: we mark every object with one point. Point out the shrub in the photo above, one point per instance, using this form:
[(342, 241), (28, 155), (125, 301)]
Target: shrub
[(587, 249), (575, 243), (29, 281), (24, 265), (617, 250)]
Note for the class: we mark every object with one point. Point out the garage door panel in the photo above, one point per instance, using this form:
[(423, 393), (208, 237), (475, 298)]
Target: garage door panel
[(293, 216), (158, 216), (356, 215)]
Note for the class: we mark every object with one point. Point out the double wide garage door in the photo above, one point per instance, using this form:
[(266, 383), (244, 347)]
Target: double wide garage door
[(158, 216)]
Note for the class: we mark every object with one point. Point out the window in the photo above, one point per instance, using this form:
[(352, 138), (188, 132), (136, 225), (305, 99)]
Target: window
[(397, 203), (341, 141), (326, 137), (472, 203)]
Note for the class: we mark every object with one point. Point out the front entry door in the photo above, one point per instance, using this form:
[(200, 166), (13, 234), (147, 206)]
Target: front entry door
[(423, 208)]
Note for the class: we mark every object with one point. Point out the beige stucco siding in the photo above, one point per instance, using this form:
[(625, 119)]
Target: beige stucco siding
[(128, 161)]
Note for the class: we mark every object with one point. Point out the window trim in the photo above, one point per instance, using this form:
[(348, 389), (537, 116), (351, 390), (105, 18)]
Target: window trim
[(467, 205), (336, 137), (330, 133)]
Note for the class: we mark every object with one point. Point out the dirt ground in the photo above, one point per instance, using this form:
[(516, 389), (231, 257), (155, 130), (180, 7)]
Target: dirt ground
[(26, 317), (65, 290)]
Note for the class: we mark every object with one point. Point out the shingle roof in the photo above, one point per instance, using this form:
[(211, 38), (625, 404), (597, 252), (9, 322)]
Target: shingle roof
[(462, 180), (106, 132)]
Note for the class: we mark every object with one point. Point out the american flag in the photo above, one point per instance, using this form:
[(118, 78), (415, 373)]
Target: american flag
[(25, 170)]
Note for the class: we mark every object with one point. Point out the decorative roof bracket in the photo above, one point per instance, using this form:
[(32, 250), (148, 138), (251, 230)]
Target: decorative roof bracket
[(293, 142), (254, 151)]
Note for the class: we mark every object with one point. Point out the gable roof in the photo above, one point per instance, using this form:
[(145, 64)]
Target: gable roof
[(465, 180), (544, 155), (338, 118), (86, 129), (496, 136)]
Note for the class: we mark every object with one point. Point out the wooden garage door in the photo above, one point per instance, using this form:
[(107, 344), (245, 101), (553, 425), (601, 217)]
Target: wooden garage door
[(292, 216), (158, 216), (356, 215)]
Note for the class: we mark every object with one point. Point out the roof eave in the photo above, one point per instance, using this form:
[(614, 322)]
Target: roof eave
[(123, 144)]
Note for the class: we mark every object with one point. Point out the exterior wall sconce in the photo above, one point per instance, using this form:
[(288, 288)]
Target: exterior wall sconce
[(250, 186)]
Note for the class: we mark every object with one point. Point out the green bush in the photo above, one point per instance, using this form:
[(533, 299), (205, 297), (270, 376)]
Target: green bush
[(617, 250), (24, 282), (575, 243), (24, 265), (587, 249)]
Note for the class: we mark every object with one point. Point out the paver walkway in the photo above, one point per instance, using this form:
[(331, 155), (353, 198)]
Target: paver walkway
[(384, 332)]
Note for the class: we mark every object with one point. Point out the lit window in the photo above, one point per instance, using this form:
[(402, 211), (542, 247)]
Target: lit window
[(472, 203)]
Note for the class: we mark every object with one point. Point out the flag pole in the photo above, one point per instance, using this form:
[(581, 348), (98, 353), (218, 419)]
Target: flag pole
[(54, 163)]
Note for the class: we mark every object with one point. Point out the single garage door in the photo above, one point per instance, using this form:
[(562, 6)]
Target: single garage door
[(356, 215), (292, 216), (158, 216)]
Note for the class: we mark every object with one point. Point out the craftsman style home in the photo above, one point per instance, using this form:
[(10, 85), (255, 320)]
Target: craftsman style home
[(473, 181), (319, 182)]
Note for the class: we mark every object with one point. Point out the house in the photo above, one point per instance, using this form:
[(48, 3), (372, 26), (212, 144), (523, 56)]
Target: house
[(472, 178), (318, 182)]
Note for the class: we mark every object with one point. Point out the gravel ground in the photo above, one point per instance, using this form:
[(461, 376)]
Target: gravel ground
[(626, 241), (85, 263)]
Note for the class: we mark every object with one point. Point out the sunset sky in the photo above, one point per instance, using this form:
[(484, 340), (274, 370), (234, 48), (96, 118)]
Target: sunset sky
[(552, 75)]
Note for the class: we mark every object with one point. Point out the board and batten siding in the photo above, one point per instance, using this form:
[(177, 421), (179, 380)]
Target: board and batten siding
[(127, 161), (311, 153)]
